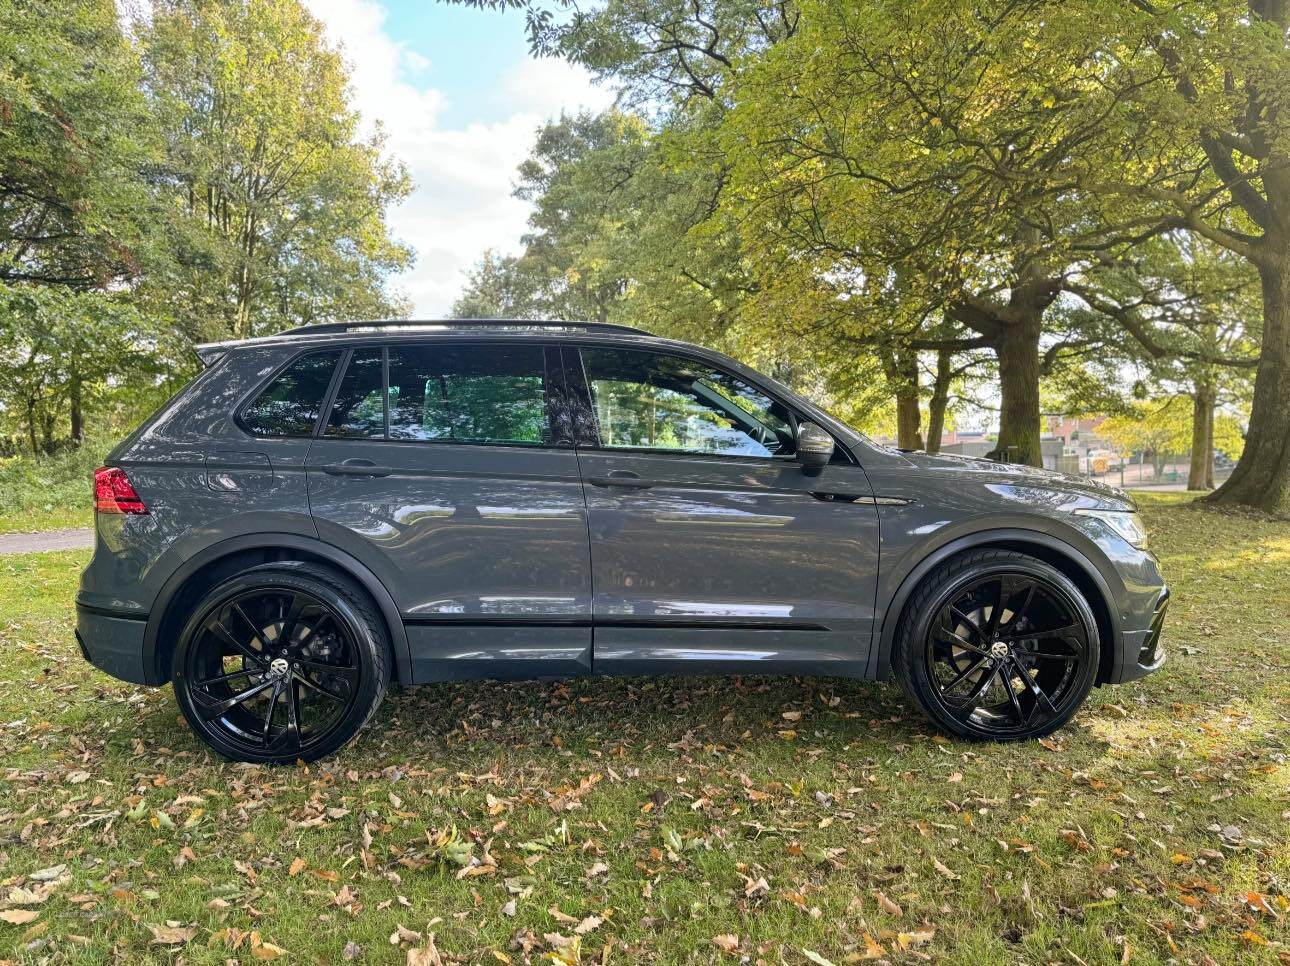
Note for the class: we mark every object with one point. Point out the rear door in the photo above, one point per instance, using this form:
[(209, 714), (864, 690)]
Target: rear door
[(711, 548), (446, 468)]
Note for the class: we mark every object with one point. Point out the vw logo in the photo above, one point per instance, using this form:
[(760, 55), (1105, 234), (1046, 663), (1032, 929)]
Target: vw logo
[(998, 649), (279, 667)]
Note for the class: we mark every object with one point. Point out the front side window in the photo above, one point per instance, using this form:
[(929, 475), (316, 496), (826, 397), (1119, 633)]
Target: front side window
[(644, 400), (469, 394), (289, 405)]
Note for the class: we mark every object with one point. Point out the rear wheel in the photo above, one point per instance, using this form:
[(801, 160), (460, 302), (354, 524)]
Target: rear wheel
[(997, 645), (280, 663)]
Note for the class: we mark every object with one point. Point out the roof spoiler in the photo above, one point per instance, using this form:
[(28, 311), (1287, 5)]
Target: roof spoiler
[(210, 353)]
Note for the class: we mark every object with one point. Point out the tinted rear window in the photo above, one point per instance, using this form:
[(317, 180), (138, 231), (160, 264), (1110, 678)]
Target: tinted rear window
[(468, 394), (289, 406), (359, 410)]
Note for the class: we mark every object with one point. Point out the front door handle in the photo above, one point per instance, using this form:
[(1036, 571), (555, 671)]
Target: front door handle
[(356, 468), (624, 478)]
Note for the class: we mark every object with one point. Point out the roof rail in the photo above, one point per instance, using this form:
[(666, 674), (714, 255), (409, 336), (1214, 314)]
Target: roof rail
[(320, 328)]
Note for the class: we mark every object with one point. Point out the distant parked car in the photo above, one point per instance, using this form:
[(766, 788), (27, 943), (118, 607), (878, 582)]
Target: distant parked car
[(323, 512)]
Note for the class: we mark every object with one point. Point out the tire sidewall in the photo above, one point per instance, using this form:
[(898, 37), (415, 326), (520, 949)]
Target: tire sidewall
[(371, 684), (912, 664)]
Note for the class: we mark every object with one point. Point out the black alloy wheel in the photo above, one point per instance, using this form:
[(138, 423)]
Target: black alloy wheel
[(1000, 646), (282, 663)]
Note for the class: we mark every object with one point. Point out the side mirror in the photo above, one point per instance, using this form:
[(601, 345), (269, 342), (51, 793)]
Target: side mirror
[(814, 447)]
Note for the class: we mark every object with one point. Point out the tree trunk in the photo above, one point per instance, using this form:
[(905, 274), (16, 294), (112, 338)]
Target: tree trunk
[(1200, 473), (78, 421), (1018, 354), (901, 367), (31, 426), (1209, 459), (908, 416), (1262, 475), (940, 399)]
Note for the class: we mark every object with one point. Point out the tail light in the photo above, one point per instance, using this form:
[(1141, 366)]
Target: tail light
[(114, 493)]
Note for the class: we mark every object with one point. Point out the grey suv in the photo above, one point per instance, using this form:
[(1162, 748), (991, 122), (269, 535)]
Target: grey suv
[(322, 512)]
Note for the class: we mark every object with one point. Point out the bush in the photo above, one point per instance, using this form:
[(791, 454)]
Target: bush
[(63, 481)]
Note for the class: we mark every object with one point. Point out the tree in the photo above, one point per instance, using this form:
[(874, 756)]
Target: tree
[(498, 287), (75, 140), (1192, 309), (279, 205), (62, 346), (1205, 143)]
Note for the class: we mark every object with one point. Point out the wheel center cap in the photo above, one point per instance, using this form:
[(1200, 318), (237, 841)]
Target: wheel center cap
[(998, 649), (279, 667)]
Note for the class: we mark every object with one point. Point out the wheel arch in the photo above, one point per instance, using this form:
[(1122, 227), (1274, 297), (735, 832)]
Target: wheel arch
[(220, 560), (1052, 550)]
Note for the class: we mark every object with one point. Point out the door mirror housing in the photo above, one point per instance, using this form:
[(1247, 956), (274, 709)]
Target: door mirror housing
[(814, 447)]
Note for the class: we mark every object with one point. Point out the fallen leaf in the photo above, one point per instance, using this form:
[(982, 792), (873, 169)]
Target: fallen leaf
[(887, 906), (427, 955), (872, 949), (917, 937), (817, 958), (168, 935), (19, 917), (297, 866), (726, 942), (944, 870)]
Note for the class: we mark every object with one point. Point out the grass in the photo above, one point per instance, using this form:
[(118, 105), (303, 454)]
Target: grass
[(670, 820), (51, 492)]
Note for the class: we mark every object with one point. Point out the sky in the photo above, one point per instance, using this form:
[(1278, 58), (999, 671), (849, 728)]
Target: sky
[(460, 100)]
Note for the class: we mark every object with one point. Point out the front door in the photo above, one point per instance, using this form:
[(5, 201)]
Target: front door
[(444, 468), (711, 549)]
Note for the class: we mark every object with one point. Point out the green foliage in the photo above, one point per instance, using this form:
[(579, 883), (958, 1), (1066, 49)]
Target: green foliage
[(50, 491), (278, 209), (63, 351), (199, 177), (1164, 426), (75, 146)]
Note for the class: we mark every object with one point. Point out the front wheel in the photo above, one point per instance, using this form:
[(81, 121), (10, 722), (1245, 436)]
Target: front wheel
[(282, 662), (997, 645)]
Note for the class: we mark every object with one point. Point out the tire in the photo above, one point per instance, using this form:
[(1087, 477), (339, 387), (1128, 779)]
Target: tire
[(282, 662), (974, 632)]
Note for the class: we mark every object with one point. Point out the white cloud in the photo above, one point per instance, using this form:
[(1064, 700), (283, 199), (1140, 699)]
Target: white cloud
[(462, 201)]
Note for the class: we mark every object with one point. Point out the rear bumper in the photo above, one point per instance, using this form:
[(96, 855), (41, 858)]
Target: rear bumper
[(1142, 652), (112, 642)]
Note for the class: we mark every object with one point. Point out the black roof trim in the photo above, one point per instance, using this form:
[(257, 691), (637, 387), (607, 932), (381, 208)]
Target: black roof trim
[(323, 328)]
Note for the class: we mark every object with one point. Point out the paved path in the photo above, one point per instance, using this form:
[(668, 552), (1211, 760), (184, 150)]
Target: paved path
[(76, 539)]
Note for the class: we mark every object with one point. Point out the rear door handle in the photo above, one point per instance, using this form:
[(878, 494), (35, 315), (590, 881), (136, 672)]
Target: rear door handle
[(624, 478), (356, 468)]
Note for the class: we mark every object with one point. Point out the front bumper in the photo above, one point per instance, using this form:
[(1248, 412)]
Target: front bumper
[(1142, 652), (112, 643)]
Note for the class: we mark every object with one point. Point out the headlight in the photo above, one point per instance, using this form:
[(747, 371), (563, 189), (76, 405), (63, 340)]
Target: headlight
[(1126, 523)]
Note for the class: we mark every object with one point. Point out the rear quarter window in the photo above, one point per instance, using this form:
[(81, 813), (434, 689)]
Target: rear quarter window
[(291, 403)]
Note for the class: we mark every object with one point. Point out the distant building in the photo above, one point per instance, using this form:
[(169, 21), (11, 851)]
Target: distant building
[(1073, 429)]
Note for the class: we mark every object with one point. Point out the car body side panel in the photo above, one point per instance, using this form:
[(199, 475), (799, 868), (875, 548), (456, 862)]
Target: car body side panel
[(730, 564), (949, 512), (468, 540), (203, 480)]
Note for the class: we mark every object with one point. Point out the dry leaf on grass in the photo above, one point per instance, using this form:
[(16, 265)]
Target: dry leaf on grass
[(887, 906), (944, 870), (171, 935), (727, 942)]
